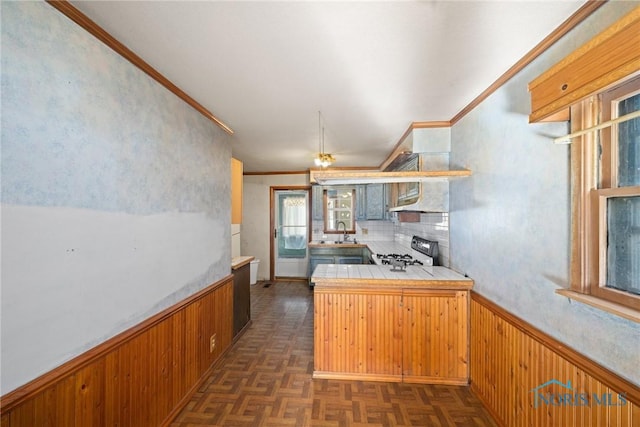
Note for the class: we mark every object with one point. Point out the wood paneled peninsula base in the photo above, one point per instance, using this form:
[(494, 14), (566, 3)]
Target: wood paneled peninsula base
[(374, 324)]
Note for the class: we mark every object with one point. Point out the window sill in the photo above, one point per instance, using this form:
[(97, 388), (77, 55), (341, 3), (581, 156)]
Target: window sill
[(609, 307)]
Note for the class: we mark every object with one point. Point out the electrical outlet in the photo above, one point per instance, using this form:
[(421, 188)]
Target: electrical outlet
[(212, 343), (365, 231)]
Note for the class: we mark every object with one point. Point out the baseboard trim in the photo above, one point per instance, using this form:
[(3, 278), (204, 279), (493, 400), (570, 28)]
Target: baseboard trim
[(390, 378)]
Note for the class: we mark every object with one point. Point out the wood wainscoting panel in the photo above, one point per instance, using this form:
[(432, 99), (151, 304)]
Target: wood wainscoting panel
[(139, 378), (358, 331), (435, 334), (394, 334), (527, 378)]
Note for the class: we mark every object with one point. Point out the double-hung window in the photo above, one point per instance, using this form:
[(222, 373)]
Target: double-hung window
[(600, 83), (618, 196), (606, 203)]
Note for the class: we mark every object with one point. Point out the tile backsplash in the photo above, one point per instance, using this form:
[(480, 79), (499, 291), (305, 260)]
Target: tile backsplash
[(432, 226)]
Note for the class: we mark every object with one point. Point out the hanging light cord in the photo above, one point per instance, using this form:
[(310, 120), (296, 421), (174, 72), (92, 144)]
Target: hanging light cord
[(323, 159), (319, 135)]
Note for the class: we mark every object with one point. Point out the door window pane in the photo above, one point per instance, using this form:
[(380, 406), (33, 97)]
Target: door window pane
[(623, 243), (292, 238)]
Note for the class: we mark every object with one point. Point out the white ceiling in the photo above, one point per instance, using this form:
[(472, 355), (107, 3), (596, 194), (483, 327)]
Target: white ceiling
[(266, 68)]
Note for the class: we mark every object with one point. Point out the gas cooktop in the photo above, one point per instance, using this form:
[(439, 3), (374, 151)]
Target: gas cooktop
[(425, 252), (406, 259)]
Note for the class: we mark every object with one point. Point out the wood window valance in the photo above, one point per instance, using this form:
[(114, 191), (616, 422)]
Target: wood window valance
[(609, 57)]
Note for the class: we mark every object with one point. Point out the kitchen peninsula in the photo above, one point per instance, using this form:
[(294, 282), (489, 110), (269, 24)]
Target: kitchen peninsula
[(372, 323)]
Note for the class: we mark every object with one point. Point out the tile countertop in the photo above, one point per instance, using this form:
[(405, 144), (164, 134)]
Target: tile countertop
[(327, 275), (240, 261), (381, 275)]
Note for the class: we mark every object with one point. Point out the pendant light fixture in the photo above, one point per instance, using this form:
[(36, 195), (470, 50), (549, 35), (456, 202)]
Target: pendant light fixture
[(322, 159)]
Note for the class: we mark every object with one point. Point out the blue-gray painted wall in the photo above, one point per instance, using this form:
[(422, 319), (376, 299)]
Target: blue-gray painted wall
[(115, 200), (115, 193), (510, 221)]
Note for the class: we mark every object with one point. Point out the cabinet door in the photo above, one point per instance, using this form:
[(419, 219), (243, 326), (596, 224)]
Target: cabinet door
[(317, 203), (349, 260), (376, 206), (361, 202), (241, 298), (357, 331), (236, 191), (435, 336)]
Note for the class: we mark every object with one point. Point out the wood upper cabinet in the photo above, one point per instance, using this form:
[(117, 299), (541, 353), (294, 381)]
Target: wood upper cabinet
[(370, 202), (410, 335), (376, 206), (317, 196), (236, 191)]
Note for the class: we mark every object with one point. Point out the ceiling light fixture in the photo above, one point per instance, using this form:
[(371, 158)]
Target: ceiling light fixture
[(322, 159)]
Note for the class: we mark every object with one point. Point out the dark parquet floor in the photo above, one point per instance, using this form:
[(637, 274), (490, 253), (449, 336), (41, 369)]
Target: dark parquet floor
[(265, 380)]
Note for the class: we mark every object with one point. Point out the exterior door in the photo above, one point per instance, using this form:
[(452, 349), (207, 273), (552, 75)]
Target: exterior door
[(290, 233)]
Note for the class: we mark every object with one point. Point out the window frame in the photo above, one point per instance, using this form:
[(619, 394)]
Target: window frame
[(325, 200), (590, 192)]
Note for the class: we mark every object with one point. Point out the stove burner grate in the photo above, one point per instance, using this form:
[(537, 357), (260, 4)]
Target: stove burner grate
[(397, 259)]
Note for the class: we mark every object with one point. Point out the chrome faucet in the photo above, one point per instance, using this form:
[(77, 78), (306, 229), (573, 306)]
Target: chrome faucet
[(344, 236)]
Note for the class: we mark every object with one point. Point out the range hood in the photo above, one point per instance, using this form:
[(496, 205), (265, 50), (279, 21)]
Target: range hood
[(417, 170)]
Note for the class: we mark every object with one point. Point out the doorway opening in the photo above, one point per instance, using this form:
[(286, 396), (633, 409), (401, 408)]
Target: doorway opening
[(290, 232)]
